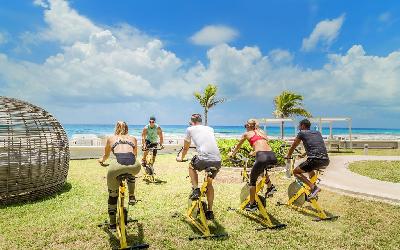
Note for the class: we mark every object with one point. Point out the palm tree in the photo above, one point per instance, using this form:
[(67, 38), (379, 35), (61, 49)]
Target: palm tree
[(208, 99), (289, 104)]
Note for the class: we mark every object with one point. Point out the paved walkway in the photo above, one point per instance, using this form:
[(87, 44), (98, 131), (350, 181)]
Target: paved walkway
[(337, 176)]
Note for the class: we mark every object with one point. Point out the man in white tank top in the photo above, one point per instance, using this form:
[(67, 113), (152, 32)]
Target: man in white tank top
[(208, 156)]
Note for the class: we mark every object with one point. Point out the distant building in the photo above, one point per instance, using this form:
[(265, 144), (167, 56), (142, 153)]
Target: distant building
[(86, 140)]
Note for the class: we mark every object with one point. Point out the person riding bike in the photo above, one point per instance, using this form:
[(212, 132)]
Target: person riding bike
[(265, 157), (124, 148), (208, 156), (317, 156), (150, 135)]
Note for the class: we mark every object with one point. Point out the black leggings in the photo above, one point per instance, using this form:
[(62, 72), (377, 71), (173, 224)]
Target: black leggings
[(263, 161)]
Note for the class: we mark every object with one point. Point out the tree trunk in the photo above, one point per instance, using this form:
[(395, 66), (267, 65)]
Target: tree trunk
[(282, 127), (205, 117)]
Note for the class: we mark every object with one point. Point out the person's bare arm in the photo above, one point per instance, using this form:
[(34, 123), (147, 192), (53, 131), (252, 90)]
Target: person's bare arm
[(134, 148), (293, 147), (186, 145), (107, 151), (160, 134), (144, 134), (234, 151)]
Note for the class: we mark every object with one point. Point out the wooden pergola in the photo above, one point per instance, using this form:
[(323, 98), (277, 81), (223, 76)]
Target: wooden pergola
[(266, 121), (330, 121)]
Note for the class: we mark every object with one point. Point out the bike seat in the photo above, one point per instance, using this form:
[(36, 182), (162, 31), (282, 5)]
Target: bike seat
[(122, 177), (210, 170)]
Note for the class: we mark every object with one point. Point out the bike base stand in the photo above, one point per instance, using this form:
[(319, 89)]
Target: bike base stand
[(139, 246), (276, 227), (320, 215), (334, 217), (259, 219)]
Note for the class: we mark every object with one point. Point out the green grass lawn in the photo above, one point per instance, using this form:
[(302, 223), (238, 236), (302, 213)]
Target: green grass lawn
[(382, 152), (69, 220), (380, 170)]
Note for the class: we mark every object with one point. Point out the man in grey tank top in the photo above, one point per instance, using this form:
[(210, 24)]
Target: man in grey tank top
[(317, 156), (151, 136)]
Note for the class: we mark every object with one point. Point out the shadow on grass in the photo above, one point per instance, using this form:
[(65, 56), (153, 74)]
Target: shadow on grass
[(256, 217), (25, 199), (215, 228), (133, 241), (309, 207), (156, 182)]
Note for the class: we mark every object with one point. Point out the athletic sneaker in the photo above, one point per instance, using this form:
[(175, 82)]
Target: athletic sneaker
[(195, 194), (251, 207), (209, 215), (313, 193), (132, 200), (270, 191)]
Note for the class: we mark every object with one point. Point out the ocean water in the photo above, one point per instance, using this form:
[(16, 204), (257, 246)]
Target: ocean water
[(233, 131)]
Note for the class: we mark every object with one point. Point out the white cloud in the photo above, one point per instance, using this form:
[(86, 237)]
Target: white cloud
[(280, 56), (385, 17), (65, 24), (42, 3), (3, 38), (96, 64), (324, 33), (122, 64), (213, 35), (353, 78)]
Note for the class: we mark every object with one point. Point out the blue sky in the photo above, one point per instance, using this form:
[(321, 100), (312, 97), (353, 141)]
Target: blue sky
[(100, 61)]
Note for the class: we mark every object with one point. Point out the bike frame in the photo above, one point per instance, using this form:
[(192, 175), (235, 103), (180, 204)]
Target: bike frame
[(200, 224), (150, 163), (121, 226), (305, 190), (200, 220), (262, 217)]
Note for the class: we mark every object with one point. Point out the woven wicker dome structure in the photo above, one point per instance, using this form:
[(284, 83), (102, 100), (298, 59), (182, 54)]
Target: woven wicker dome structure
[(34, 153)]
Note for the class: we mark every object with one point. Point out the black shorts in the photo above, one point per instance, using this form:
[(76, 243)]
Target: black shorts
[(314, 164), (264, 160), (201, 165), (150, 144)]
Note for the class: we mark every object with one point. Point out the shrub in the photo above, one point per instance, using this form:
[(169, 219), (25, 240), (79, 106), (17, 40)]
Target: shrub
[(226, 145)]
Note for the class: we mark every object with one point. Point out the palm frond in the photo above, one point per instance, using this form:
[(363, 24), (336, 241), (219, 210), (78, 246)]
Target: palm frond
[(288, 104)]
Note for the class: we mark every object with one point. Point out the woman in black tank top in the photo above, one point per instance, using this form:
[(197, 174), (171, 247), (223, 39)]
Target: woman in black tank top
[(124, 148)]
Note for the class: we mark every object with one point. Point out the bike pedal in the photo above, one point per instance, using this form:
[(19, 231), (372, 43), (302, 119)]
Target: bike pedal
[(130, 220)]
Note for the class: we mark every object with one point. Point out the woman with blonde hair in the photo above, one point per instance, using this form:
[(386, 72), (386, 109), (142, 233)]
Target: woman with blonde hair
[(265, 157), (124, 148)]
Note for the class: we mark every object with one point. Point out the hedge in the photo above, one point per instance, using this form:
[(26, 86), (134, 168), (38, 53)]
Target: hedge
[(226, 145)]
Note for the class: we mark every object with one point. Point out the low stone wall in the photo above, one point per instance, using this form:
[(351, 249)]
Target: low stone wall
[(374, 144), (359, 144)]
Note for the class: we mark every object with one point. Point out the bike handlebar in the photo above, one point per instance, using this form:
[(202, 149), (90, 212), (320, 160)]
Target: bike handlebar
[(152, 148), (239, 157), (180, 150)]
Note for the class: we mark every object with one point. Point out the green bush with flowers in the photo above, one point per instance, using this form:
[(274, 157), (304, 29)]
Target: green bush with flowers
[(226, 145)]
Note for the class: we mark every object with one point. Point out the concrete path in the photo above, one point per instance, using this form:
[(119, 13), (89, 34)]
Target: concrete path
[(338, 177)]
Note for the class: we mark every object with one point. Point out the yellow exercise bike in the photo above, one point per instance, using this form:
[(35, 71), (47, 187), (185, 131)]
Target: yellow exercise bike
[(299, 191), (122, 216), (262, 216), (195, 214), (149, 174)]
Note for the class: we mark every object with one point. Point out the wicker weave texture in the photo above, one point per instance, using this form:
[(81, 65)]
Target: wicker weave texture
[(34, 153)]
